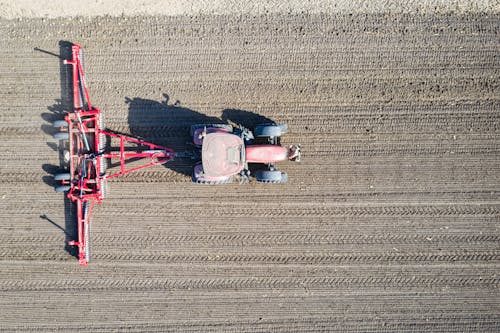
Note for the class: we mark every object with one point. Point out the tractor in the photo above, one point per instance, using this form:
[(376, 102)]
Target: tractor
[(227, 152)]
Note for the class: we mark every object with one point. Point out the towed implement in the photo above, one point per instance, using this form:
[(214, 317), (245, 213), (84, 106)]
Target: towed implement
[(221, 153)]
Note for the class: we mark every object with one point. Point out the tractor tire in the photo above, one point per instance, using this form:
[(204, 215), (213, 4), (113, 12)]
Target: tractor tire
[(229, 128), (62, 176), (195, 180), (60, 123), (220, 182), (271, 176), (63, 188), (269, 130), (61, 136)]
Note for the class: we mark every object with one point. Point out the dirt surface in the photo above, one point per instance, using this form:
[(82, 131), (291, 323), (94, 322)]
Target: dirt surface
[(13, 9), (390, 222)]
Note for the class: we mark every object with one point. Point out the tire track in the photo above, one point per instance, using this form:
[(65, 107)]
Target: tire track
[(276, 210), (376, 122), (234, 283), (134, 240), (483, 322), (270, 259)]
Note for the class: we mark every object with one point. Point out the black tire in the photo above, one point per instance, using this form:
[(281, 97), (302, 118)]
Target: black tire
[(62, 176), (196, 126), (271, 176), (63, 188), (221, 182), (269, 130), (206, 182), (60, 123), (61, 136)]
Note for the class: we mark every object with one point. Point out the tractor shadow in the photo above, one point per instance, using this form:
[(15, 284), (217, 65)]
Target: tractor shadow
[(168, 124), (245, 118), (55, 112)]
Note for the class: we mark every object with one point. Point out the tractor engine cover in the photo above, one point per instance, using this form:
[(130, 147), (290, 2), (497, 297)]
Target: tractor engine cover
[(266, 154)]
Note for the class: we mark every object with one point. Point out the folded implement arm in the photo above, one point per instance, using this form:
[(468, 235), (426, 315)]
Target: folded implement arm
[(87, 155)]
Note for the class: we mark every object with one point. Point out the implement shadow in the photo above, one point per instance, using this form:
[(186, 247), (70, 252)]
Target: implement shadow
[(57, 111)]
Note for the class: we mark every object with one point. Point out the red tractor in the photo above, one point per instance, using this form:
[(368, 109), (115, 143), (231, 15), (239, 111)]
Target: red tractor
[(224, 153)]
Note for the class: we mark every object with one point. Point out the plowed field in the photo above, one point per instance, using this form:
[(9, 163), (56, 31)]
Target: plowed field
[(390, 222)]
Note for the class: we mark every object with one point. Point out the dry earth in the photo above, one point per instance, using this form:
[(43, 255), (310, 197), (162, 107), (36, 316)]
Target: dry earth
[(389, 224)]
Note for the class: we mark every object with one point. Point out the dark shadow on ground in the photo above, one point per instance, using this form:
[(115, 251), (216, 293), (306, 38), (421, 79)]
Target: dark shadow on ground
[(247, 119), (56, 112), (168, 124)]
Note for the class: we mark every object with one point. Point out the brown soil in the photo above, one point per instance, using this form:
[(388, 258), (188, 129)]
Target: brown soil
[(390, 222)]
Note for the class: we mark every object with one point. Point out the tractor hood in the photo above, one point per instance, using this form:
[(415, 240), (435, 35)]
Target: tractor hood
[(221, 154), (266, 154)]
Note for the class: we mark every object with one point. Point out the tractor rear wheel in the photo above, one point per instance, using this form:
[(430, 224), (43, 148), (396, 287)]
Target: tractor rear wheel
[(270, 130), (212, 182), (271, 176), (227, 127)]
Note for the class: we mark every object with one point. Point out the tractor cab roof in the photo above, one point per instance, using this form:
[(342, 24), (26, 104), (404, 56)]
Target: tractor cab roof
[(222, 154)]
